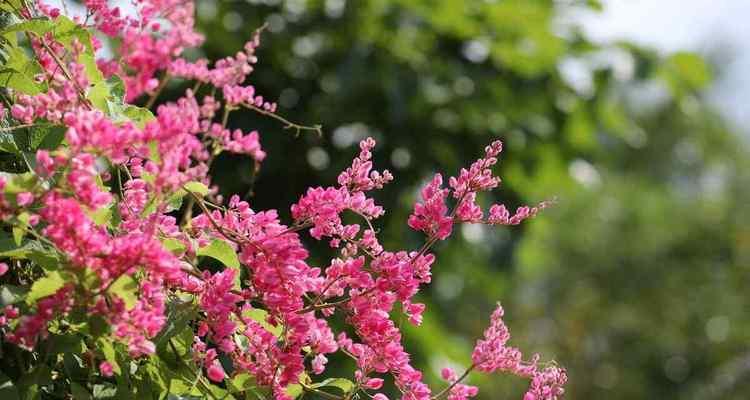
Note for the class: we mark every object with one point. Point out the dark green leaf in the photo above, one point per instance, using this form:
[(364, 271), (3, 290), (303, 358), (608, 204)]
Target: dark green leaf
[(8, 390), (79, 392), (180, 314)]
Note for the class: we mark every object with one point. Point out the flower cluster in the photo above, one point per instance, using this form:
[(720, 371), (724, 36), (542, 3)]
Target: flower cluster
[(491, 354), (127, 227)]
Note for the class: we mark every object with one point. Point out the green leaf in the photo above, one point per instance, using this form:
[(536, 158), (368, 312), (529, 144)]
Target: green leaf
[(74, 366), (18, 234), (175, 201), (79, 392), (197, 187), (93, 73), (8, 143), (139, 115), (181, 387), (101, 216), (11, 5), (11, 294), (261, 316), (18, 72), (108, 350), (117, 88), (46, 286), (8, 248), (105, 391), (39, 26), (98, 94), (17, 183), (180, 314), (173, 245), (153, 151), (345, 385), (107, 96), (47, 137), (29, 383), (241, 383), (580, 129), (97, 326), (221, 250), (63, 344), (126, 288), (19, 81), (294, 390), (65, 30), (685, 72), (46, 259), (8, 390), (20, 231)]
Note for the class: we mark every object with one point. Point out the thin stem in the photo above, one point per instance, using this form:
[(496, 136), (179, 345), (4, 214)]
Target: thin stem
[(16, 127), (157, 92), (225, 116), (211, 219), (198, 377), (64, 69), (235, 237), (449, 387), (287, 124)]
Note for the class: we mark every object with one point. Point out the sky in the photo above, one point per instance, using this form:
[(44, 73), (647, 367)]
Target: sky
[(717, 29)]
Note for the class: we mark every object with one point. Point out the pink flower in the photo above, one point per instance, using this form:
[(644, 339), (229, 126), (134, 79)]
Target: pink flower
[(462, 392), (3, 268), (105, 368), (414, 312), (499, 215), (430, 216), (215, 372), (547, 384), (360, 176), (490, 353), (24, 199), (318, 364), (448, 374), (373, 383)]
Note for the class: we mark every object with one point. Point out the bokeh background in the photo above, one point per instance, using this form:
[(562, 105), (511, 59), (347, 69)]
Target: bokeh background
[(630, 113)]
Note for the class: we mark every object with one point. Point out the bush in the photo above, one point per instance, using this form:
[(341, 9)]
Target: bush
[(129, 276)]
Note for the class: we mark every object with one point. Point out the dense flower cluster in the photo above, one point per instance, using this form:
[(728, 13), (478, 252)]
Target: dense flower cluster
[(270, 314)]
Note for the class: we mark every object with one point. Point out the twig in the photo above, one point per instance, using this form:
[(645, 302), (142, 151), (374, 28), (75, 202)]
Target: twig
[(461, 378), (287, 124), (59, 62), (157, 92), (16, 127)]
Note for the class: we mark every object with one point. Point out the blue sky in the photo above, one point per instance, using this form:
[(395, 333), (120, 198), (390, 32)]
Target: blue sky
[(709, 27)]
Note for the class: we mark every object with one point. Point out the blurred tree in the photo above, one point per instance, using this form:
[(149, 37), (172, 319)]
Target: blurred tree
[(634, 281)]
